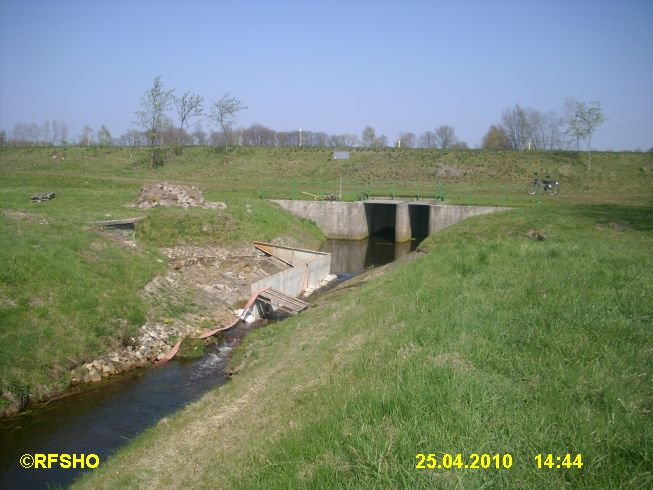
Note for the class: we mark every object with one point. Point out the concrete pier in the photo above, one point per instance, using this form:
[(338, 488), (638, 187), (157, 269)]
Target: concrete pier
[(402, 220)]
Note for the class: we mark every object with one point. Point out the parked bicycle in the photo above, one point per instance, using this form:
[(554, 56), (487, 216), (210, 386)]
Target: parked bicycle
[(551, 187)]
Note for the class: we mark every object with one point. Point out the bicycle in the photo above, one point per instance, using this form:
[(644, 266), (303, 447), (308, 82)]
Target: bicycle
[(551, 187)]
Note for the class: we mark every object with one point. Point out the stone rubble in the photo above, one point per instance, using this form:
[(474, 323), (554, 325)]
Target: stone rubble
[(166, 195), (152, 343)]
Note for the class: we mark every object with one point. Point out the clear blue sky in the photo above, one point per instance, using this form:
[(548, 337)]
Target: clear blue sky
[(332, 66)]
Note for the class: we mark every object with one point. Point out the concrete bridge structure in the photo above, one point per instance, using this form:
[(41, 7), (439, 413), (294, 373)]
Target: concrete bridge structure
[(403, 219)]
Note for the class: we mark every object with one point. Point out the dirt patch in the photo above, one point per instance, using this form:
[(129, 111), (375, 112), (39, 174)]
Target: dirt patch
[(169, 195), (19, 215), (446, 171), (616, 226), (535, 235), (200, 289)]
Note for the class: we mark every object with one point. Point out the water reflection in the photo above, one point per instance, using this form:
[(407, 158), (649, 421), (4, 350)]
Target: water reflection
[(350, 257)]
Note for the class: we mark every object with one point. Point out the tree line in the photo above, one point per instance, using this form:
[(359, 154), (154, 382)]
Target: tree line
[(165, 118)]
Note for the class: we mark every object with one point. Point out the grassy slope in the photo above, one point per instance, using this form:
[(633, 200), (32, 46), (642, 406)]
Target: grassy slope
[(68, 292), (492, 342), (484, 176)]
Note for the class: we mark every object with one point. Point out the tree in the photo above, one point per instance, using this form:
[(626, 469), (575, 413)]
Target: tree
[(188, 106), (445, 137), (368, 137), (154, 103), (199, 136), (407, 140), (104, 137), (427, 140), (3, 138), (381, 142), (225, 113), (495, 139), (587, 118), (87, 136)]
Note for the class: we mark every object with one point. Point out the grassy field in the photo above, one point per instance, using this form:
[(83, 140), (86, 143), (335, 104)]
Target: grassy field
[(490, 342)]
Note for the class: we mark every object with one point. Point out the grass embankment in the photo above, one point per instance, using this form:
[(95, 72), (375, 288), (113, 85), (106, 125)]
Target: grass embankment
[(464, 176), (68, 292), (492, 343)]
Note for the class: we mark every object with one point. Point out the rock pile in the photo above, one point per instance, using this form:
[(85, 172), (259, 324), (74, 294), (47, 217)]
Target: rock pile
[(155, 195), (154, 340)]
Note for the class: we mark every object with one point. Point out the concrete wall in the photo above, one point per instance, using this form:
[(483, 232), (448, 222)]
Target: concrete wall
[(337, 220), (348, 220), (291, 280)]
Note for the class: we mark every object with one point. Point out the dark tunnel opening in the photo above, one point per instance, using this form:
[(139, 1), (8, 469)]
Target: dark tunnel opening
[(419, 215), (381, 220)]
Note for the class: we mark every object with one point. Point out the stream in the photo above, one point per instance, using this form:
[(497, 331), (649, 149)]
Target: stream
[(99, 419)]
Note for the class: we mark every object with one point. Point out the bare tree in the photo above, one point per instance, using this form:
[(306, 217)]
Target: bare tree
[(381, 142), (87, 136), (154, 103), (445, 137), (104, 137), (189, 106), (407, 139), (225, 113), (427, 140), (369, 136)]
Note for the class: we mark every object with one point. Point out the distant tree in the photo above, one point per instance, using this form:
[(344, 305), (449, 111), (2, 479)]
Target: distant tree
[(407, 139), (46, 133), (3, 138), (460, 145), (104, 137), (495, 139), (573, 131), (189, 106), (154, 104), (588, 117), (514, 125), (427, 140), (368, 136), (552, 131), (348, 140), (86, 138), (225, 114), (445, 137), (199, 136), (380, 142)]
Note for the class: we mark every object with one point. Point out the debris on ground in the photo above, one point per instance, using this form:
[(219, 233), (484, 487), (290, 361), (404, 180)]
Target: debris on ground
[(535, 235), (43, 196), (170, 195)]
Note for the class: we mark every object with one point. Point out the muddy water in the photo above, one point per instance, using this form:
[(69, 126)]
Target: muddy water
[(105, 417)]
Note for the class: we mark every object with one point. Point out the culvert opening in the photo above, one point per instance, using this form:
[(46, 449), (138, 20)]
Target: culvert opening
[(381, 219), (419, 215)]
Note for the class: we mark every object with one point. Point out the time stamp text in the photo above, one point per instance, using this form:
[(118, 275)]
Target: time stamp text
[(485, 461)]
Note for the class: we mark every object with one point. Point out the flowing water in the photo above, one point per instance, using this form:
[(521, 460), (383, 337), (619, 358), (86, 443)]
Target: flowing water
[(101, 419)]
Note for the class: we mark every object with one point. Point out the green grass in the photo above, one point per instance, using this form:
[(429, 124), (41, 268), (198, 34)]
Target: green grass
[(491, 343), (68, 292), (483, 176)]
